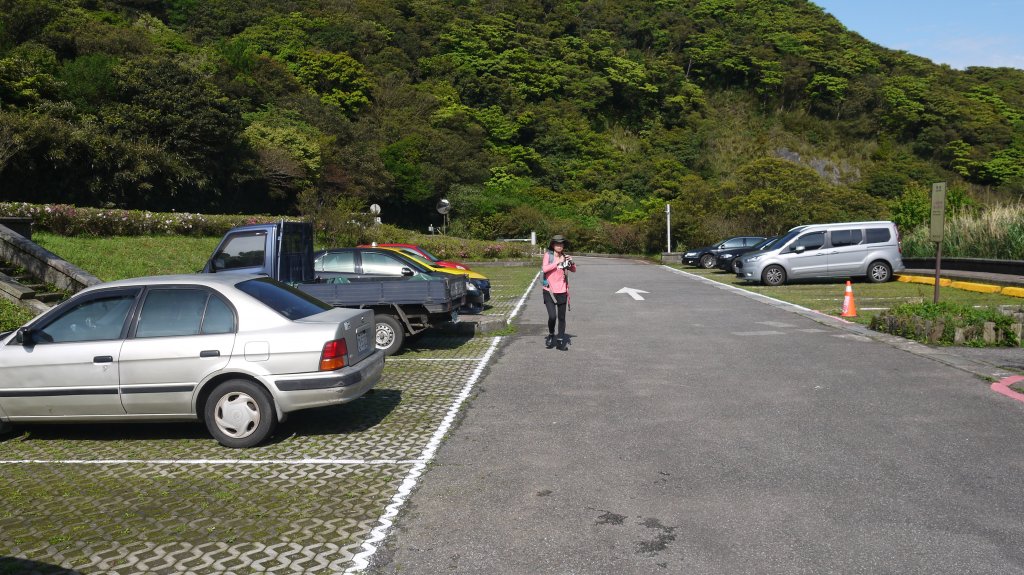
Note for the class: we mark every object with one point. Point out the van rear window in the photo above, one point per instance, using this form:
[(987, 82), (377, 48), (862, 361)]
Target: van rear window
[(845, 237), (878, 235)]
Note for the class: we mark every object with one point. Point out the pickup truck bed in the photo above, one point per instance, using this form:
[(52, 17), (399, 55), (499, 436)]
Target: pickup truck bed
[(438, 295)]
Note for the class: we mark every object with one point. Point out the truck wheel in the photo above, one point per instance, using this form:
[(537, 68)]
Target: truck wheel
[(239, 413), (390, 333)]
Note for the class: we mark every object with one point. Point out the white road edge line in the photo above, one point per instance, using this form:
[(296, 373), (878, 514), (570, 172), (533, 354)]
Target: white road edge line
[(522, 300), (218, 461), (362, 559)]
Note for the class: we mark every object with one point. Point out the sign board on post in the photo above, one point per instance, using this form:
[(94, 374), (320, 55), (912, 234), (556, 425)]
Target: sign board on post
[(938, 212), (936, 229)]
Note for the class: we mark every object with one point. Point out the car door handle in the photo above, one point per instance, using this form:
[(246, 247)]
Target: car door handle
[(210, 353), (103, 359)]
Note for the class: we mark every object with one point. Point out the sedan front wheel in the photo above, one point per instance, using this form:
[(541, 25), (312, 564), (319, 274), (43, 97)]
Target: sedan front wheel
[(707, 261), (239, 413)]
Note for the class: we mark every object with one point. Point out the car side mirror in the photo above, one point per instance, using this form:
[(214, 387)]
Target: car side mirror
[(406, 272), (799, 249), (25, 336)]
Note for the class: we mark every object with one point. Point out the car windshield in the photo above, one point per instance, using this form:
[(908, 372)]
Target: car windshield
[(766, 244), (282, 298), (787, 238), (419, 259), (429, 255)]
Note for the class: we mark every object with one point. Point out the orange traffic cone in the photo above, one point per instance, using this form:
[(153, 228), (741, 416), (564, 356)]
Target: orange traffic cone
[(849, 308)]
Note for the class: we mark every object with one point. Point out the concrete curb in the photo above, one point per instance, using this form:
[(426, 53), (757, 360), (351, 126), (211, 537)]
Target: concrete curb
[(1012, 291)]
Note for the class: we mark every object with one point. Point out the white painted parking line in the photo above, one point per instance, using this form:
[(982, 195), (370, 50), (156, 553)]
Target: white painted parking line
[(391, 359), (775, 324), (853, 337), (217, 461)]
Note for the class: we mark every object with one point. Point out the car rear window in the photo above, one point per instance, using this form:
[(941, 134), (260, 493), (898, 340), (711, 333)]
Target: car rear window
[(878, 235), (284, 299), (842, 238)]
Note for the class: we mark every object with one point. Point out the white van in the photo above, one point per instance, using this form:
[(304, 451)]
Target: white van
[(851, 249)]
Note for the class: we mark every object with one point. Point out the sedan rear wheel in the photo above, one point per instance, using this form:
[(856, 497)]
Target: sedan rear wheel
[(239, 413), (707, 261), (773, 275)]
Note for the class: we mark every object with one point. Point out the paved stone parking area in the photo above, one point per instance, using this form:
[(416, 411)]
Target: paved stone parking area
[(166, 498)]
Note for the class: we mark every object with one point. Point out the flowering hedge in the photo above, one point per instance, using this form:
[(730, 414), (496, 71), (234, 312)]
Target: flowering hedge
[(67, 220), (450, 247)]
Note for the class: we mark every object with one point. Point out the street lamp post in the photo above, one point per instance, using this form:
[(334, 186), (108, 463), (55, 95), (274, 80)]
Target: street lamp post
[(668, 226)]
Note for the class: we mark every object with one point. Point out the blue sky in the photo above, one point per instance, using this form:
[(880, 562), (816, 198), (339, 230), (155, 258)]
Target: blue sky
[(960, 33)]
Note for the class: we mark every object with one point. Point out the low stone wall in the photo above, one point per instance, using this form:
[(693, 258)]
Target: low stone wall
[(672, 257), (43, 264), (936, 331)]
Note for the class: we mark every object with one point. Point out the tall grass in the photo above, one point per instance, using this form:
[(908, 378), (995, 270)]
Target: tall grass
[(996, 233)]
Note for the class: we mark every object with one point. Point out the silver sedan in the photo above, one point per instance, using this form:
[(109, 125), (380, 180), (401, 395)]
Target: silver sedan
[(237, 352)]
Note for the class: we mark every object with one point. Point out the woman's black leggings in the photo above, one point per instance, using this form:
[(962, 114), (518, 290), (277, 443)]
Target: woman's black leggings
[(556, 304)]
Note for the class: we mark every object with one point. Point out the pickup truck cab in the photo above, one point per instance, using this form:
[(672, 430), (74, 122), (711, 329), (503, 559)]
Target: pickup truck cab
[(284, 251)]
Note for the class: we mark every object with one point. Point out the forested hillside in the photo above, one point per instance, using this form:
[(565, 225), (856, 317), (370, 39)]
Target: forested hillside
[(581, 117)]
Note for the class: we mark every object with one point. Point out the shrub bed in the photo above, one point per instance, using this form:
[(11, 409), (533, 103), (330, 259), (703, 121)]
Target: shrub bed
[(952, 324), (72, 221), (67, 220)]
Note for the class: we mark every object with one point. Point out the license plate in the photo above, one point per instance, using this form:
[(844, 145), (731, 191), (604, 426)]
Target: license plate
[(362, 340)]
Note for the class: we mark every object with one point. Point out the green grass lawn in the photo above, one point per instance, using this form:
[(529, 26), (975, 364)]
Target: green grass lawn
[(826, 296), (127, 257)]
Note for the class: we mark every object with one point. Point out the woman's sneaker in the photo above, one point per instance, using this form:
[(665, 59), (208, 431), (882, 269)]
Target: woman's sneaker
[(549, 341)]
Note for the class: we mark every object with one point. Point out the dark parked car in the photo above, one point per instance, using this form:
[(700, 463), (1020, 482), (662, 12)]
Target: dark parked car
[(705, 257), (357, 264), (725, 259)]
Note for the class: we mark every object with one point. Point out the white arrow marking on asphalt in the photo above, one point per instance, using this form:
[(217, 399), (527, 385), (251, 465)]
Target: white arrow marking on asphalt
[(633, 293)]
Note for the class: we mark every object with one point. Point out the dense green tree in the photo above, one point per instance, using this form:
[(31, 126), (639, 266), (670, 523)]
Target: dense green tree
[(578, 117)]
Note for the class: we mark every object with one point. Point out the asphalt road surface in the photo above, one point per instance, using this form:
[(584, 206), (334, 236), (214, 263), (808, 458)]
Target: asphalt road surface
[(702, 431)]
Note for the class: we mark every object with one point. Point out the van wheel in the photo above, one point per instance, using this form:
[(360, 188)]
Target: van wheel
[(773, 275), (390, 333), (707, 261), (239, 413), (879, 272)]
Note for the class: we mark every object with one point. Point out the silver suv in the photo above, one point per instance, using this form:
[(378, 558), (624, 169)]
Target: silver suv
[(869, 249)]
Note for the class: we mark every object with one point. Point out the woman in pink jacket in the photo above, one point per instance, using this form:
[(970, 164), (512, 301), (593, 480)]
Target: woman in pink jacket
[(556, 266)]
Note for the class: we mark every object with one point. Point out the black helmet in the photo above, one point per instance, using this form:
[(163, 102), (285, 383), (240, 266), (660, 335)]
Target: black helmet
[(558, 239)]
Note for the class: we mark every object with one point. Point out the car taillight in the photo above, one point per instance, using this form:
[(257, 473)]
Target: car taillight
[(334, 355)]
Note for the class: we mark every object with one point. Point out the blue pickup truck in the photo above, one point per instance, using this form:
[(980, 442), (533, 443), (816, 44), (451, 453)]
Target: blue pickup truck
[(402, 306)]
